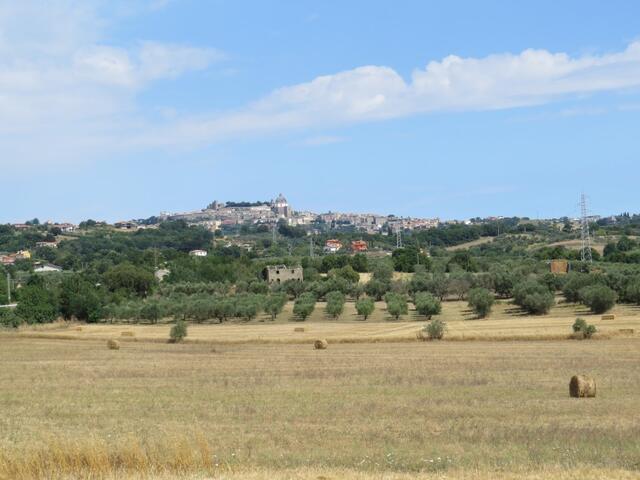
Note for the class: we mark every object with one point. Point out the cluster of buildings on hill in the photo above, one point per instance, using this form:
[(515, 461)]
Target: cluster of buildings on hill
[(219, 215)]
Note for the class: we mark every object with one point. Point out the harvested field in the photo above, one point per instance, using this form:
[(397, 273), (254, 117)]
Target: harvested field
[(74, 409), (505, 322)]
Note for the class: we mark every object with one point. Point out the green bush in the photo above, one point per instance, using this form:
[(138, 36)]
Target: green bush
[(335, 303), (377, 288), (435, 329), (581, 326), (37, 304), (396, 305), (533, 296), (598, 298), (274, 304), (427, 305), (304, 305), (576, 282), (365, 307), (503, 282), (178, 331), (9, 318), (632, 291), (481, 301), (223, 309), (80, 299), (151, 311), (248, 306), (538, 303)]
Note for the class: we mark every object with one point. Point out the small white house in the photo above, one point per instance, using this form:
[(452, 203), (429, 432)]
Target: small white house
[(46, 268), (198, 253)]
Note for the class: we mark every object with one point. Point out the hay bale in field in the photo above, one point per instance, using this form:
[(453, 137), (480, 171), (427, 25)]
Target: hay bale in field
[(582, 386), (627, 330), (113, 344), (127, 334), (609, 316), (78, 329), (298, 329), (321, 344)]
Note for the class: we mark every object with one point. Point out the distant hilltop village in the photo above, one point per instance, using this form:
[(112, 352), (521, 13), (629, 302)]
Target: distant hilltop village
[(219, 215)]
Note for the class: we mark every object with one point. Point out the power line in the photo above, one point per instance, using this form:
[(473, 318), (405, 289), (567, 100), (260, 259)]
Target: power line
[(585, 252)]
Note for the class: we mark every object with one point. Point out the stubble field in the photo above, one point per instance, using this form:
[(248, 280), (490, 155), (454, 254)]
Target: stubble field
[(506, 322), (73, 409)]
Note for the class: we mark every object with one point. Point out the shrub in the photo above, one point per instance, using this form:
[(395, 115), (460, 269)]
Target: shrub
[(503, 282), (439, 285), (248, 306), (365, 307), (274, 304), (259, 287), (481, 301), (534, 297), (581, 326), (460, 283), (304, 305), (347, 273), (377, 288), (9, 318), (335, 303), (435, 329), (130, 279), (576, 282), (151, 311), (178, 331), (37, 304), (80, 299), (632, 291), (427, 305), (538, 303), (223, 309), (396, 305), (598, 298), (589, 331)]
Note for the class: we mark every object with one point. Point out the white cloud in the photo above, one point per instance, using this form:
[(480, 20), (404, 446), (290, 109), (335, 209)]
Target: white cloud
[(372, 93), (66, 91)]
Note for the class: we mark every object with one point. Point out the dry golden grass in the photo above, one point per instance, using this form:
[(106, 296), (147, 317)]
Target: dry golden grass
[(405, 276), (506, 322), (597, 244), (73, 409), (473, 243)]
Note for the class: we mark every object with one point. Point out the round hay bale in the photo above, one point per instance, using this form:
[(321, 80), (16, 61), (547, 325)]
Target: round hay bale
[(298, 329), (113, 344), (321, 344), (127, 334), (582, 386)]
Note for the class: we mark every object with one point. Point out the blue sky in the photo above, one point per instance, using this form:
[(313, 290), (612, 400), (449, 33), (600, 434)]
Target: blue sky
[(122, 109)]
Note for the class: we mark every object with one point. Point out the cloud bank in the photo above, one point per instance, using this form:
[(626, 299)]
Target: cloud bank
[(454, 84)]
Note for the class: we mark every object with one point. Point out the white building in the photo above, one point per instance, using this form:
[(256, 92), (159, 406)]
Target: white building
[(198, 253), (46, 268)]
